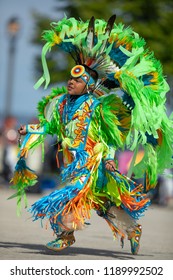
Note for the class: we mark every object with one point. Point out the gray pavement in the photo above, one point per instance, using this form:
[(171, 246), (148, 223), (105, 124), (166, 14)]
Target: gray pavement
[(23, 239)]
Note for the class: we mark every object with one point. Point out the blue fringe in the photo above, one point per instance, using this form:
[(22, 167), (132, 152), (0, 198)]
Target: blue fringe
[(56, 201), (118, 56), (53, 203), (136, 214), (72, 169), (21, 165)]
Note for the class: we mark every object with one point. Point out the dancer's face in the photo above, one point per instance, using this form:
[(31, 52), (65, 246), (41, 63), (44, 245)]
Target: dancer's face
[(76, 86)]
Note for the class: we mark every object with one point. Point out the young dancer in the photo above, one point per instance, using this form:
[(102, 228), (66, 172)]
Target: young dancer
[(93, 121)]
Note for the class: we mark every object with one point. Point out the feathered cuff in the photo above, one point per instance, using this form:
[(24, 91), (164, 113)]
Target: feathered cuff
[(36, 129), (111, 154)]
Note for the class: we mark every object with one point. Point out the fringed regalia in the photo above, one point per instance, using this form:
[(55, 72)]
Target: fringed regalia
[(99, 123)]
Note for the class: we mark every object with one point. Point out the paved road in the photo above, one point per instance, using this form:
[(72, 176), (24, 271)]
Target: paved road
[(22, 239)]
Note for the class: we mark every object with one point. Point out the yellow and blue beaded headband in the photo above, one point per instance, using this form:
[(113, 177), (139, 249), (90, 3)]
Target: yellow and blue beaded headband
[(78, 71)]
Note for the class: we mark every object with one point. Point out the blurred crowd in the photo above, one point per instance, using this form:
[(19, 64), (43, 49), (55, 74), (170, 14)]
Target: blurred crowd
[(48, 170)]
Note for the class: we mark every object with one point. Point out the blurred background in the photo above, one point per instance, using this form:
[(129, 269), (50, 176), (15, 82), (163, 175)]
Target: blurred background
[(21, 27)]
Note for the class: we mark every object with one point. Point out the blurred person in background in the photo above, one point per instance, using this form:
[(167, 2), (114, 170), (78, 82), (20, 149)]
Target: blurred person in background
[(9, 147), (2, 149), (165, 192)]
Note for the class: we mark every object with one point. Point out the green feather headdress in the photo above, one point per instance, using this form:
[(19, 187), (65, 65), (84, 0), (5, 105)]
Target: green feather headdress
[(120, 57)]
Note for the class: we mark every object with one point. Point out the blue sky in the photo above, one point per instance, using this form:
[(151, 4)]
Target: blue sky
[(25, 98)]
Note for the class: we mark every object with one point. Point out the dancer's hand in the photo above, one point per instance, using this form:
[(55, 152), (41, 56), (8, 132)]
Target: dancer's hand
[(22, 130), (110, 165)]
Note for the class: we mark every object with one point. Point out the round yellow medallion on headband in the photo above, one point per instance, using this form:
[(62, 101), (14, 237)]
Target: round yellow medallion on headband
[(77, 71)]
